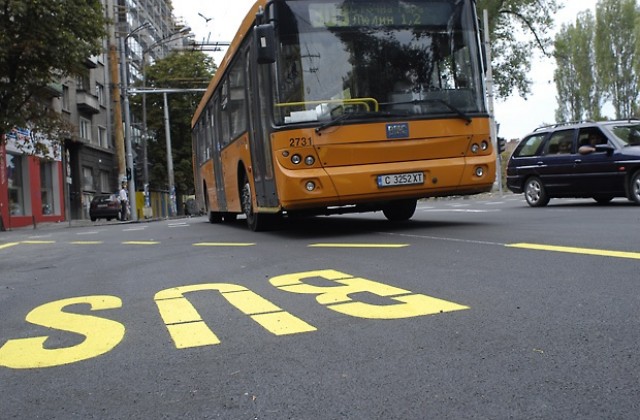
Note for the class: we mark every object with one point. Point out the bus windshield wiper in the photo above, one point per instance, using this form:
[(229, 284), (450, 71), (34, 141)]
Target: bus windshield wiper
[(457, 111), (348, 115)]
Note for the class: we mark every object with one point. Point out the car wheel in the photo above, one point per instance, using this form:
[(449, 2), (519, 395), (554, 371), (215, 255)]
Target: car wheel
[(93, 219), (634, 188), (229, 217), (399, 211), (535, 193), (215, 217)]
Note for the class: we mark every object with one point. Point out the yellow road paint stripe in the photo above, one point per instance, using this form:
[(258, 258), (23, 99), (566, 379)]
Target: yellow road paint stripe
[(329, 245), (140, 243), (574, 250), (194, 334), (224, 244), (9, 245), (86, 242), (282, 323), (38, 242)]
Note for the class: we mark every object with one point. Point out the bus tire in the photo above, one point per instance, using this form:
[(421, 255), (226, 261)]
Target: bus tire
[(257, 222), (400, 211)]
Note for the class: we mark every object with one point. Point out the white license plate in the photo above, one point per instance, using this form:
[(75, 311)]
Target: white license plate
[(394, 180)]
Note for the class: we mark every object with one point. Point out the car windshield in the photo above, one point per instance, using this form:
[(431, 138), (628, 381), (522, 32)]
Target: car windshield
[(373, 57), (628, 134)]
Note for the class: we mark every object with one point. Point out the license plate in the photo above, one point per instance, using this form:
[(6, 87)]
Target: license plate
[(394, 180), (103, 206)]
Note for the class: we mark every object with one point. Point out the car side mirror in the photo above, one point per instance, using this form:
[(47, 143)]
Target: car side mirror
[(606, 148)]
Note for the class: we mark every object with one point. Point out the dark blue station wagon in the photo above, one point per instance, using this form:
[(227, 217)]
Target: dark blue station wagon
[(599, 160)]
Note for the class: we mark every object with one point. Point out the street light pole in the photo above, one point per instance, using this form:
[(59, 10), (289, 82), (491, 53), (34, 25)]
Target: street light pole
[(145, 136), (131, 181), (172, 189)]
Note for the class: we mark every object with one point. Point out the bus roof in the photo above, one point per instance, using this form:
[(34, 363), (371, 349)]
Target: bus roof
[(244, 28)]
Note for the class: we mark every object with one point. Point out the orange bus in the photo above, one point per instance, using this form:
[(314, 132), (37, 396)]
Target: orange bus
[(335, 106)]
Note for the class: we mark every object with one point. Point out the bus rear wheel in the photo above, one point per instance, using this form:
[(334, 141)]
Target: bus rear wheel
[(399, 211), (256, 221)]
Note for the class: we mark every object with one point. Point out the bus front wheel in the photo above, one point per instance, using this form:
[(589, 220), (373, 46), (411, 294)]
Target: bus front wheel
[(399, 211), (256, 221)]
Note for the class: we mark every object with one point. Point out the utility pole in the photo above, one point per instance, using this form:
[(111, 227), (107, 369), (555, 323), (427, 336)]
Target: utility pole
[(114, 75)]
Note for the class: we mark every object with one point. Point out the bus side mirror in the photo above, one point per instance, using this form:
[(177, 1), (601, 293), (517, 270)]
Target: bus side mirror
[(265, 38)]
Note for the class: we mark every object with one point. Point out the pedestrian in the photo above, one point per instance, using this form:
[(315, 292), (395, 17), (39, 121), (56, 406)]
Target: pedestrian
[(124, 202)]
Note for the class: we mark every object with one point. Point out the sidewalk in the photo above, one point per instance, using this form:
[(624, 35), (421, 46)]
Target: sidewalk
[(41, 228)]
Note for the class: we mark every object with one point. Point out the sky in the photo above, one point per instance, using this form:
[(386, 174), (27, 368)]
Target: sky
[(516, 116)]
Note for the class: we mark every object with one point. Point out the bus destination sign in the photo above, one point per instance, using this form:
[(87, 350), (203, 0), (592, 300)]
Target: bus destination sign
[(377, 14)]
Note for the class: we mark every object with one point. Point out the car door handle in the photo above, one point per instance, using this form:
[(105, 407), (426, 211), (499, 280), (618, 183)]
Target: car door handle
[(578, 161), (540, 163)]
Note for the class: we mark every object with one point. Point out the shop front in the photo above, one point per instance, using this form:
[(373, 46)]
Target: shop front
[(31, 182)]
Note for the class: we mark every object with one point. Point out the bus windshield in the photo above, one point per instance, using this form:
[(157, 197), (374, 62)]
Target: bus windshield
[(416, 58)]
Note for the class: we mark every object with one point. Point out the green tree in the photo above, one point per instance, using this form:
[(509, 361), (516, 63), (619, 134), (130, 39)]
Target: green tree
[(179, 70), (517, 28), (41, 42), (616, 43), (579, 94)]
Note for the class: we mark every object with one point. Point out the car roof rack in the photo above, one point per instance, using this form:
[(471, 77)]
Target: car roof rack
[(556, 125)]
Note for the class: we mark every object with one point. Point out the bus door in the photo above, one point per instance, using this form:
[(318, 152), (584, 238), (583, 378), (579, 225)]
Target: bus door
[(216, 147), (262, 163)]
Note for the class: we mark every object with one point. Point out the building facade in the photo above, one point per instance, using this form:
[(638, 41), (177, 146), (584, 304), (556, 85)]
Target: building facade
[(90, 160)]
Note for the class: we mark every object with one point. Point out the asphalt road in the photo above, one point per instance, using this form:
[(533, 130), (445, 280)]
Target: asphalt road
[(477, 308)]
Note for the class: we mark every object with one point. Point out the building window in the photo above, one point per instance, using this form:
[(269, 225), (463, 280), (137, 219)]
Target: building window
[(16, 165), (65, 98), (105, 186), (48, 188), (100, 94), (85, 129), (82, 83), (103, 141), (87, 179)]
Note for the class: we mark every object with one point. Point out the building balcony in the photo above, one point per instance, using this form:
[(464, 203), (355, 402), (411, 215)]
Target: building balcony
[(91, 62), (88, 103), (52, 90)]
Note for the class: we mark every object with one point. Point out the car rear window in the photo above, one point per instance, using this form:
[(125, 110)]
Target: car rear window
[(103, 198), (529, 146)]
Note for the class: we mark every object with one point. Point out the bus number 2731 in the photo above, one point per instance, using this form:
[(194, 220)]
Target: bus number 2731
[(300, 141)]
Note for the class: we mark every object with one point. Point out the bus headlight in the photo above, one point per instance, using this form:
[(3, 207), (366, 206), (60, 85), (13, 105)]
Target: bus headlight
[(310, 186), (309, 160), (475, 148), (296, 159), (479, 171), (484, 145)]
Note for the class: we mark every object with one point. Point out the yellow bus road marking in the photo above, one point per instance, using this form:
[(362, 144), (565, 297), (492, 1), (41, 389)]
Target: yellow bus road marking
[(86, 242), (38, 242), (330, 245), (9, 245), (224, 244), (140, 243), (574, 250)]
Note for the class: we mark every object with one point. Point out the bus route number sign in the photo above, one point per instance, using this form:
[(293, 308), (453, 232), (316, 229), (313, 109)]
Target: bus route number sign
[(395, 180)]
